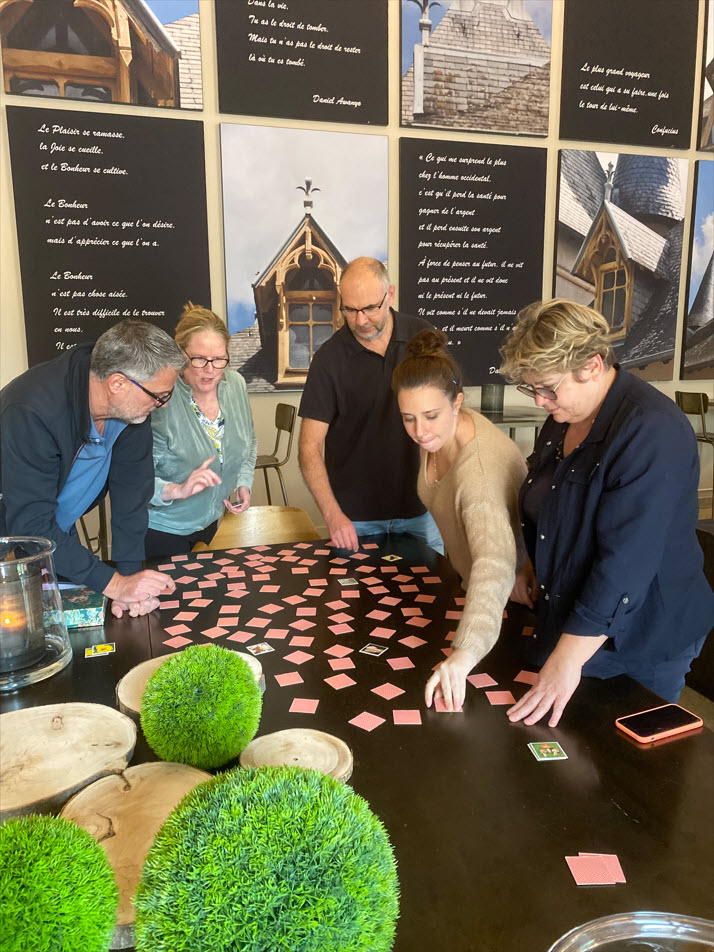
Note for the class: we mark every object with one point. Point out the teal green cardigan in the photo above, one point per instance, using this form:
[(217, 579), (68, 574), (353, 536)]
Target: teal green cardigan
[(181, 444)]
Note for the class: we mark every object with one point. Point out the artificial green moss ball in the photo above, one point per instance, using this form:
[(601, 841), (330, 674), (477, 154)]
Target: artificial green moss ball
[(201, 707), (268, 859), (57, 889)]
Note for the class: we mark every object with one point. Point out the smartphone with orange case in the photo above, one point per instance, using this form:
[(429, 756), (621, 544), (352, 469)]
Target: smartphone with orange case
[(658, 722)]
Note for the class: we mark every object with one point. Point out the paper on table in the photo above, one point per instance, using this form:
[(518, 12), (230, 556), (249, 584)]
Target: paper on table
[(590, 870), (242, 636), (302, 624), (406, 717), (291, 677), (341, 664), (172, 604), (214, 632), (340, 629), (257, 623), (338, 681), (500, 697), (398, 664), (526, 677), (341, 617), (388, 690), (380, 632), (271, 609), (378, 615), (177, 642), (442, 709), (177, 629), (366, 721), (304, 705), (298, 657), (481, 680), (339, 651), (301, 641), (412, 641), (277, 634)]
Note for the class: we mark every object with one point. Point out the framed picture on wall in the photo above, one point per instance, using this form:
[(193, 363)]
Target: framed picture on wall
[(706, 113), (476, 65), (698, 343), (298, 204), (619, 249), (143, 52)]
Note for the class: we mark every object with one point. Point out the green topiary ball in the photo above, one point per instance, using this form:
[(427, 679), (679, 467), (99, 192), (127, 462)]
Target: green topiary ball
[(258, 860), (202, 707), (57, 889)]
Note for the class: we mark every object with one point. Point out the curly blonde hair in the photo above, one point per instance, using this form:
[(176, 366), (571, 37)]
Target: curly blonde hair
[(555, 337), (195, 319)]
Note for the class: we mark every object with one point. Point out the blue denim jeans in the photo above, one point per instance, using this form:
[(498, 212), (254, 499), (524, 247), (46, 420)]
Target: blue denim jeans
[(665, 678), (423, 527)]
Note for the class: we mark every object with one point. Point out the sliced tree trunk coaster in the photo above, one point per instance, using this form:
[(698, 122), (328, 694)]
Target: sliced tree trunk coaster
[(300, 747), (48, 753), (130, 689), (124, 814)]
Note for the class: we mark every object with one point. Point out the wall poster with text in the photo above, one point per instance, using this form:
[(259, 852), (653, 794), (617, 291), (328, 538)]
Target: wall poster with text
[(628, 72), (478, 65), (298, 205), (111, 222), (619, 249), (698, 343), (471, 243), (323, 60), (142, 52)]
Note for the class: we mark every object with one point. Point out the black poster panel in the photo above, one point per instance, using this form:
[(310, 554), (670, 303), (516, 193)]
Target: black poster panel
[(303, 59), (470, 243), (628, 71), (111, 222)]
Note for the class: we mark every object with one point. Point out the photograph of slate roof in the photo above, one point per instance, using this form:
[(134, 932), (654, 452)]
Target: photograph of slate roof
[(698, 339), (625, 221), (485, 66)]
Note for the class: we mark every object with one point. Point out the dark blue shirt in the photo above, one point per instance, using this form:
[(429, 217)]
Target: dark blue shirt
[(615, 545)]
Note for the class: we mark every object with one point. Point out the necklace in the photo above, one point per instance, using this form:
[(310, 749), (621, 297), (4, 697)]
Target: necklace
[(434, 455)]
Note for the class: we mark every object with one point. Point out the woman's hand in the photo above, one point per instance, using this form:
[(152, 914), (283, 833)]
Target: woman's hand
[(242, 501), (200, 479), (525, 588), (449, 679)]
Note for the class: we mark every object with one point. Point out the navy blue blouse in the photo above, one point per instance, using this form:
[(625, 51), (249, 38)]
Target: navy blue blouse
[(615, 546)]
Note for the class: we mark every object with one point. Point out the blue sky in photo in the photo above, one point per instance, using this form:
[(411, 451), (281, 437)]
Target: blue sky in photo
[(166, 11), (541, 12), (703, 227)]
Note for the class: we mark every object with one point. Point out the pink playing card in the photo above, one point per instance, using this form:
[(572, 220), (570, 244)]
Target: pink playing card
[(418, 622), (460, 600), (300, 570), (277, 634), (292, 677), (229, 609), (308, 561), (447, 651), (294, 599), (166, 568), (304, 705), (341, 617), (215, 575), (526, 677), (337, 605), (190, 566), (339, 651), (359, 555), (177, 642), (340, 629), (398, 664), (302, 624), (338, 681), (257, 623), (378, 615), (177, 629), (388, 690), (403, 578), (589, 870), (351, 593), (388, 569), (185, 616), (205, 555), (298, 657), (214, 632), (419, 568), (389, 600), (481, 680), (412, 641), (312, 591), (235, 551), (431, 579), (338, 561), (370, 545), (406, 717), (186, 594), (241, 636), (290, 558), (408, 588), (179, 558), (527, 630), (366, 721), (207, 583), (341, 664), (337, 571), (411, 612), (322, 551), (200, 603), (270, 588), (302, 545), (229, 622), (223, 562), (500, 697), (425, 598), (261, 578), (613, 865), (173, 604), (186, 580), (380, 632), (453, 616), (379, 590), (301, 641), (305, 610), (372, 579), (442, 709), (271, 609)]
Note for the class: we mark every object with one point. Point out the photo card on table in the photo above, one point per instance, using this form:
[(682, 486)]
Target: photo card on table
[(471, 243), (698, 343), (619, 249), (476, 65), (628, 72), (111, 222), (317, 60), (298, 204)]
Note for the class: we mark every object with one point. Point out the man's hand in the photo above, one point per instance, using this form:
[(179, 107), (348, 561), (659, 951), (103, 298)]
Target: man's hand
[(342, 532), (449, 679), (242, 501), (139, 587), (200, 479), (135, 609)]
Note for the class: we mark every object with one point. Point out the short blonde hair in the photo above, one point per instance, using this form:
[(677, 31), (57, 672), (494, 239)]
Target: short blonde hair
[(194, 319), (555, 337)]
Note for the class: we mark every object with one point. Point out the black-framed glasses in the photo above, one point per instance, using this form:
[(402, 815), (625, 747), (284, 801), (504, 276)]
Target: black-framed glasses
[(218, 362), (367, 311), (161, 398), (544, 392)]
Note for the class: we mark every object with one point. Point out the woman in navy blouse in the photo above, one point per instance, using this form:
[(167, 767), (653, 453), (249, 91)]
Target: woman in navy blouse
[(609, 512)]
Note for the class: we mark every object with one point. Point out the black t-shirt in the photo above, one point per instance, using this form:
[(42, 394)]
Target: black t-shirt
[(371, 462)]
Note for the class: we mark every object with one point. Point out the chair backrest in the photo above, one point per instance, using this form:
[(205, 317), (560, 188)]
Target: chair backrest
[(285, 414), (695, 404), (262, 525)]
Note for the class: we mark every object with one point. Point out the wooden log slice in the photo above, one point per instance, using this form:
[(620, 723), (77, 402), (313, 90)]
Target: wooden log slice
[(48, 753), (124, 813), (300, 747), (130, 689)]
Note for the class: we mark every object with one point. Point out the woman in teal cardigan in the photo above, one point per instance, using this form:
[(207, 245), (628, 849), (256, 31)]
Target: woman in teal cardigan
[(204, 442)]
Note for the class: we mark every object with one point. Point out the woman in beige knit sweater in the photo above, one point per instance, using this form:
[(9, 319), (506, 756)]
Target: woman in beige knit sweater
[(469, 479)]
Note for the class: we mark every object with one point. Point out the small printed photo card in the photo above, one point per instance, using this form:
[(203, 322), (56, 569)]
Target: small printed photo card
[(374, 650), (347, 582), (548, 751), (262, 648)]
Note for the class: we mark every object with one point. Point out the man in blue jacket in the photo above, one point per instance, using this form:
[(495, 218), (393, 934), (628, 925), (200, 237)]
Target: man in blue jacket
[(76, 428)]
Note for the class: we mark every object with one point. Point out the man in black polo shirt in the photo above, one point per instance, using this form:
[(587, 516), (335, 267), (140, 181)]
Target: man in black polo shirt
[(355, 455)]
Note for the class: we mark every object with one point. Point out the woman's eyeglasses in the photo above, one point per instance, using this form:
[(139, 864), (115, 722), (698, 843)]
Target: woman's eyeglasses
[(544, 392), (218, 362)]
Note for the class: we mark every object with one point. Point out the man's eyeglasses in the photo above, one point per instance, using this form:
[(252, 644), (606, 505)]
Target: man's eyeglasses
[(367, 311), (218, 362), (161, 398), (544, 392)]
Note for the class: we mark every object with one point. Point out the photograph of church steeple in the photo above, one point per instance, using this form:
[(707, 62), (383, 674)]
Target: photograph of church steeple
[(619, 249), (479, 65), (288, 237), (706, 125), (698, 343)]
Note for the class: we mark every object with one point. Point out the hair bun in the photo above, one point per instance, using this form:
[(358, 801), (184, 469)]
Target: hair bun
[(428, 343)]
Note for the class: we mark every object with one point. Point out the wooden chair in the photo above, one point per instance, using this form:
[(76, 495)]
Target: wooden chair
[(262, 525), (99, 543), (697, 404), (285, 415)]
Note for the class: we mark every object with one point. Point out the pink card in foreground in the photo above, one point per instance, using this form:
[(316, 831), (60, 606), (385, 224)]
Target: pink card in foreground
[(304, 705), (291, 677), (214, 632), (481, 680), (172, 604), (298, 657), (339, 651), (407, 717), (613, 865), (589, 870), (500, 697), (338, 681), (366, 721), (178, 641), (442, 709), (177, 630), (388, 691), (398, 664), (526, 677), (341, 664)]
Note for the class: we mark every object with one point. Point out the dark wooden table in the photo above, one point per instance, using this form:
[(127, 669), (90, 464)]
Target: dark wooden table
[(480, 829), (517, 417)]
